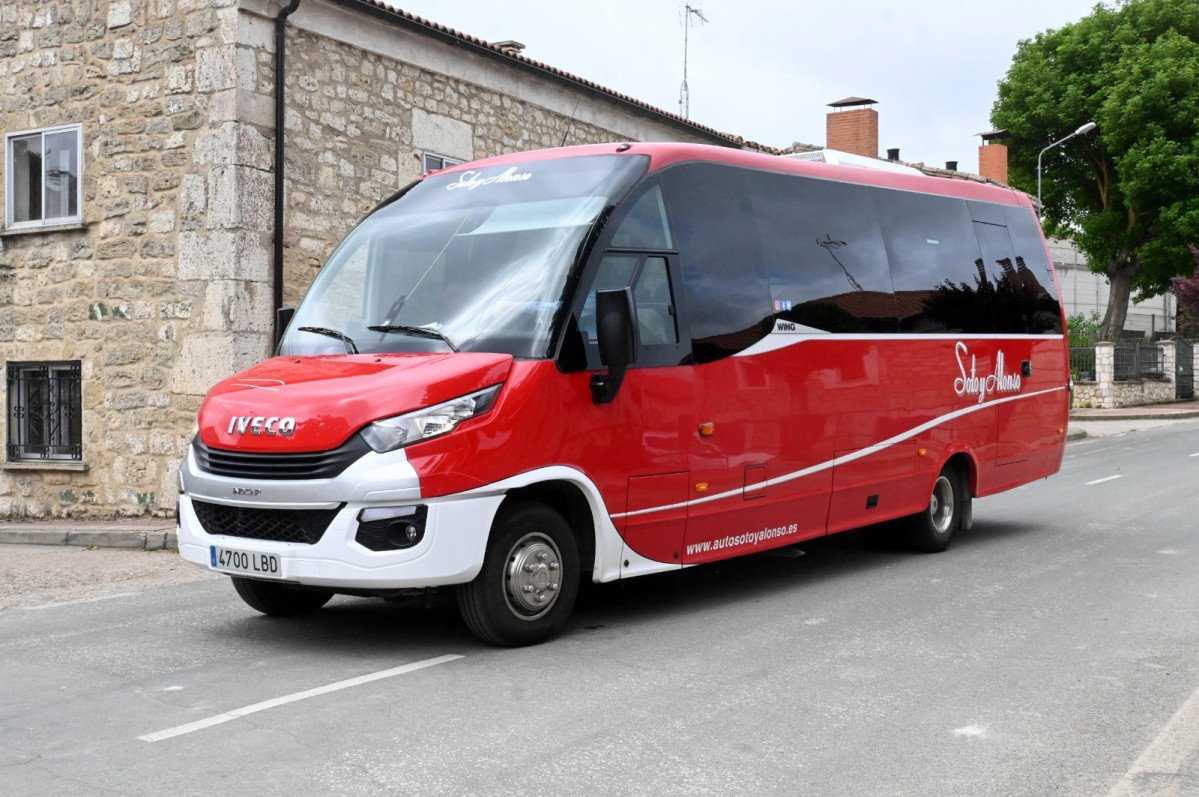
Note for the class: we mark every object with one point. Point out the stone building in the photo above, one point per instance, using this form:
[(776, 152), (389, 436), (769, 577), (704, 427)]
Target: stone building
[(138, 253)]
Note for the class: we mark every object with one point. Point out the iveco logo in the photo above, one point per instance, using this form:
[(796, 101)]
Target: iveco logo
[(246, 491), (274, 425)]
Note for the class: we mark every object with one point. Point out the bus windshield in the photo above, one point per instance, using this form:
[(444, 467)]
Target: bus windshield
[(474, 260)]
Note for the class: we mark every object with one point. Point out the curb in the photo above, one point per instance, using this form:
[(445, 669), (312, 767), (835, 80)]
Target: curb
[(1139, 416), (154, 539)]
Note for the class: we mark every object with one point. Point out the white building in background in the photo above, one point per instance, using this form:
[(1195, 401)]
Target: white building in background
[(1083, 291)]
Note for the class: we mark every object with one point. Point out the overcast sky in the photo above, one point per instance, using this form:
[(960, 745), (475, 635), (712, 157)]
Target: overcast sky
[(766, 70)]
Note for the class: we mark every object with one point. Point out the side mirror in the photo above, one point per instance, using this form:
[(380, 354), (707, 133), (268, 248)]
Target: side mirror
[(616, 332)]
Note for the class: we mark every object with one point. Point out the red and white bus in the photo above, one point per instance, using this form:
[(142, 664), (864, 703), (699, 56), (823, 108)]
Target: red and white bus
[(607, 361)]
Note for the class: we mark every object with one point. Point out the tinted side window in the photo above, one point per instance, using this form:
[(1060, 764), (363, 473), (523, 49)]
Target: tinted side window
[(940, 279), (824, 253), (645, 225), (1040, 310), (655, 309), (728, 297), (615, 272)]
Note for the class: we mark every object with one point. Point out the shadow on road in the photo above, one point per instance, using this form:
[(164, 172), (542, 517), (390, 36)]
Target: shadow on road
[(370, 626)]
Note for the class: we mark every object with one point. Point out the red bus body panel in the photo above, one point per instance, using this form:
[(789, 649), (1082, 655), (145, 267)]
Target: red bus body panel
[(810, 435)]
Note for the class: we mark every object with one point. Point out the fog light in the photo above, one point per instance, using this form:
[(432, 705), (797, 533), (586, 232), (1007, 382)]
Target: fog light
[(391, 528)]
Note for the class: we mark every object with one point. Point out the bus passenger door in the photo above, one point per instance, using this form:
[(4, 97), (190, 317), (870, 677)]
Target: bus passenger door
[(652, 412)]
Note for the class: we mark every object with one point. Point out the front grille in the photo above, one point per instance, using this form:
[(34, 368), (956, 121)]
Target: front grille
[(255, 465), (277, 525)]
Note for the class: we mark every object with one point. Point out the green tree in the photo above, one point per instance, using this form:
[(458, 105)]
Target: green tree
[(1128, 193)]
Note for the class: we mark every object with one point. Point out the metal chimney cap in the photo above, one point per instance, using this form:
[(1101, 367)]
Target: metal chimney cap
[(994, 135), (850, 102)]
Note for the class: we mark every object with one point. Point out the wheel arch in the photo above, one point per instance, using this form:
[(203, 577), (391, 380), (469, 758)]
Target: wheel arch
[(963, 459), (567, 499)]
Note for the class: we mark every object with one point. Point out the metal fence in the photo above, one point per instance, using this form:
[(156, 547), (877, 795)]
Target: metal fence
[(1082, 362), (1185, 368), (1138, 360)]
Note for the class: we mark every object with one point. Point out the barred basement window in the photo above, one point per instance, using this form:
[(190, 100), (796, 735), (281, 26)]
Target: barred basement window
[(433, 162), (44, 412), (43, 185)]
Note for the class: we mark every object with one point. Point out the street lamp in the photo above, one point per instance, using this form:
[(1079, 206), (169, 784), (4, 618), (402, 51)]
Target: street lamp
[(1088, 127)]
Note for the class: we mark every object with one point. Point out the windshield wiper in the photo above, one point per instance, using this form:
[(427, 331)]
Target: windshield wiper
[(419, 332), (333, 333)]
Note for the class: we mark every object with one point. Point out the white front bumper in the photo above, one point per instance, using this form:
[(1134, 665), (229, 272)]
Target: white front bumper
[(451, 551)]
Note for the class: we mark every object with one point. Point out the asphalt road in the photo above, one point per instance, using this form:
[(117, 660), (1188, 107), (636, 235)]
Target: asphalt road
[(1053, 650)]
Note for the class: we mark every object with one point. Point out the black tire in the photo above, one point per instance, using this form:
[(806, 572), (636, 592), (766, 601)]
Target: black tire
[(279, 600), (949, 510), (529, 580)]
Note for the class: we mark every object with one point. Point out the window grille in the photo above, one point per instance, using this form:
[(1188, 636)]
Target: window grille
[(45, 411)]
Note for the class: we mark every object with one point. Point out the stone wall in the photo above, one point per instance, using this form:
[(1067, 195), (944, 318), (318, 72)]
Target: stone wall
[(1105, 392), (160, 291), (165, 288)]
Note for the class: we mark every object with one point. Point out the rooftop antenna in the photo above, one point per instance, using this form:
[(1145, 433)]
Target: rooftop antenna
[(691, 16)]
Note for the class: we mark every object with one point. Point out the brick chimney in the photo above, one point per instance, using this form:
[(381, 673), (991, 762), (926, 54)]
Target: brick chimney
[(992, 155), (853, 127)]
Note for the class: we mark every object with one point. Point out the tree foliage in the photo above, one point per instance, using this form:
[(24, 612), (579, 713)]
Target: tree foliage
[(1186, 291), (1128, 193)]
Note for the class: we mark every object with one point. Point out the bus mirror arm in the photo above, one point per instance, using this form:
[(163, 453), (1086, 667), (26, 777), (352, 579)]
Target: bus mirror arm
[(616, 333), (283, 316)]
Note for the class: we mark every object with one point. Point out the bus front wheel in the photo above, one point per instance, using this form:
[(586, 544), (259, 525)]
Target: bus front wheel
[(948, 510), (529, 579)]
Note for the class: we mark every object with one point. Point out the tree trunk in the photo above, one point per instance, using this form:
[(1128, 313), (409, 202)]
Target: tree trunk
[(1118, 297)]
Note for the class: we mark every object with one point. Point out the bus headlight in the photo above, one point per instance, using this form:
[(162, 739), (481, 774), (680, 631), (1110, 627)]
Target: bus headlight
[(412, 427)]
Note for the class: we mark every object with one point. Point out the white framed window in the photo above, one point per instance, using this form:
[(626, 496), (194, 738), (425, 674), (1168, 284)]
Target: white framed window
[(43, 184), (432, 162)]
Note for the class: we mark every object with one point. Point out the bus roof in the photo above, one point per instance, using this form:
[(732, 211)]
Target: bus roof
[(666, 154)]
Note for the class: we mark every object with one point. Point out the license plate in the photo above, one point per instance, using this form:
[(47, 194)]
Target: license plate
[(249, 563)]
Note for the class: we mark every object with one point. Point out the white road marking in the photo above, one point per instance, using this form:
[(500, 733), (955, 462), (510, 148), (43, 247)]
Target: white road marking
[(1194, 455), (1160, 766), (179, 730), (970, 730), (1108, 479), (56, 604)]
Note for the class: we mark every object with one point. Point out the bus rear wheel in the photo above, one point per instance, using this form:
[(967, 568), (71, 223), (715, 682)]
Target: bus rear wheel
[(948, 510), (279, 600), (529, 579)]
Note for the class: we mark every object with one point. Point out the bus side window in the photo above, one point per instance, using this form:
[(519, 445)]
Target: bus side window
[(725, 286), (824, 254), (655, 310), (941, 281), (645, 226), (1035, 272), (614, 272)]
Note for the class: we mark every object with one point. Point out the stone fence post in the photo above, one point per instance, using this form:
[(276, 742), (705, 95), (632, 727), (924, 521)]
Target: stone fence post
[(1105, 373), (1169, 350)]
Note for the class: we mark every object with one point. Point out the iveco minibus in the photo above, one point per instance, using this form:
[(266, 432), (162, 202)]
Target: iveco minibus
[(607, 361)]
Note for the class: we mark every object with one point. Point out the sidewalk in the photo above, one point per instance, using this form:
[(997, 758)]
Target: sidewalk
[(156, 534), (153, 534), (1175, 411)]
